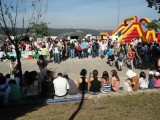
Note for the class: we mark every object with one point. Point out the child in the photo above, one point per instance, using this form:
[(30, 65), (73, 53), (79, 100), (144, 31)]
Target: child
[(127, 85), (151, 80), (157, 80), (143, 81), (106, 84)]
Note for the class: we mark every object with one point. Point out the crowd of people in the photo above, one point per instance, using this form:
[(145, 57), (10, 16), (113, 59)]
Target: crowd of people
[(49, 86), (46, 85), (132, 55)]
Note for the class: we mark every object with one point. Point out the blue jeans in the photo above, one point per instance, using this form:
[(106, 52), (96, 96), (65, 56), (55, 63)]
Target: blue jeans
[(57, 57), (93, 54), (102, 54), (79, 54), (72, 53), (85, 52)]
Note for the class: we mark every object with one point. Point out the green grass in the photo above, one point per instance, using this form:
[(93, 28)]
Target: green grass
[(141, 106)]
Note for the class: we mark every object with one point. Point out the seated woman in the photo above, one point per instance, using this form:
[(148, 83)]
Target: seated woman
[(82, 82), (134, 80), (106, 84), (94, 83), (115, 81), (47, 86)]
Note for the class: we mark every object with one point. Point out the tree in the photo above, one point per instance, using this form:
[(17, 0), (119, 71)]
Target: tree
[(20, 14), (155, 4), (154, 24), (41, 29)]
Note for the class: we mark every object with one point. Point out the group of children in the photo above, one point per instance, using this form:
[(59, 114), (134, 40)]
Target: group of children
[(143, 82)]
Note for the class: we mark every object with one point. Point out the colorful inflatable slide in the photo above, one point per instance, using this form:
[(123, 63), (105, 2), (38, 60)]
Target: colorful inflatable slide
[(132, 28)]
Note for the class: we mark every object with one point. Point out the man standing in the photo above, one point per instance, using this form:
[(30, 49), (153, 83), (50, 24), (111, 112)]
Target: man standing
[(72, 50), (85, 49), (61, 86)]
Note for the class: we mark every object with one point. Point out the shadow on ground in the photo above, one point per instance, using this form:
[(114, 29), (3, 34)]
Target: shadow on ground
[(13, 112)]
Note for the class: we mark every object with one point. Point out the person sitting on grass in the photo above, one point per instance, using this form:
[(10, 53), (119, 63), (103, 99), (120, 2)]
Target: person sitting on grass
[(73, 90), (47, 86), (82, 82), (127, 85), (151, 80), (115, 81), (4, 91), (143, 81), (134, 80), (33, 85), (15, 94), (94, 83), (106, 84), (157, 80), (61, 86)]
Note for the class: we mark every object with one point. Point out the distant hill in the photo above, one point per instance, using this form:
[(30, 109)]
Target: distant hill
[(57, 32)]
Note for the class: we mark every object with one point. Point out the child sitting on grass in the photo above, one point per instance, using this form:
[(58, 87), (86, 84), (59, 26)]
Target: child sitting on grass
[(143, 81)]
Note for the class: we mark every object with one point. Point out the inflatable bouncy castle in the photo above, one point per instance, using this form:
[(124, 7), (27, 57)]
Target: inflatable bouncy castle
[(103, 35), (131, 28)]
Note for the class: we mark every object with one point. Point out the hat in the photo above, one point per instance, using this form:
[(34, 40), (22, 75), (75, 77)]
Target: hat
[(156, 73), (151, 73), (130, 73)]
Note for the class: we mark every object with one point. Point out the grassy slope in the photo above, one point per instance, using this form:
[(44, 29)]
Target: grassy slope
[(142, 106)]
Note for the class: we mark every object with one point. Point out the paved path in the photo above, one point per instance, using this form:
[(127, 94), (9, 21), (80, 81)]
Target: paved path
[(72, 67)]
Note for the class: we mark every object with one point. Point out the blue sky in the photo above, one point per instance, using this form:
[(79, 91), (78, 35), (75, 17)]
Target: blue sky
[(95, 14)]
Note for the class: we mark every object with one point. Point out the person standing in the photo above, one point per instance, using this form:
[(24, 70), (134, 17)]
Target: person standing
[(72, 50), (79, 51), (42, 66), (56, 54), (2, 55), (85, 49), (131, 54), (13, 65), (44, 52)]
